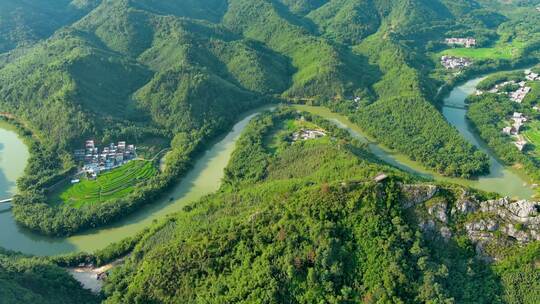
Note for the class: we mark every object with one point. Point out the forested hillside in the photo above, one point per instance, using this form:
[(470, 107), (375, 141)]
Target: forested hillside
[(150, 71), (28, 280), (193, 66), (23, 23), (303, 222), (305, 213)]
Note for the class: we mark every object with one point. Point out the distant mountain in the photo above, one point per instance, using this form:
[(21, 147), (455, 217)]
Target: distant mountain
[(193, 65), (23, 23)]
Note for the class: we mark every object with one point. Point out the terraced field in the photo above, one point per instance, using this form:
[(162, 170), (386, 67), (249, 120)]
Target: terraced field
[(114, 184)]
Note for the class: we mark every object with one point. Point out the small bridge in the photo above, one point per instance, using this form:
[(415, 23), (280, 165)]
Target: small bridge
[(5, 201), (456, 106)]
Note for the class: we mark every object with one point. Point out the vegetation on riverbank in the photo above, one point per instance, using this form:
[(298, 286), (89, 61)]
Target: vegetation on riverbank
[(32, 280), (304, 221), (295, 221), (135, 70), (32, 209), (490, 113)]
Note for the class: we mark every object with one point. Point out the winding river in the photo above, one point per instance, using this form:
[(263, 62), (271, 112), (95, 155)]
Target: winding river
[(204, 178), (207, 173), (501, 179)]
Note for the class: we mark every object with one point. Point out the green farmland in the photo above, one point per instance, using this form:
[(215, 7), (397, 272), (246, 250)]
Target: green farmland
[(113, 184), (499, 51), (532, 134)]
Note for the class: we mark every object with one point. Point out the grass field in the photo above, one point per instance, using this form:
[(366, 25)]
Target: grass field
[(110, 185), (532, 134), (499, 51)]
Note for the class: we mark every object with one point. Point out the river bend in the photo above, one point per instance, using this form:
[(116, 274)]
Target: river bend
[(205, 177)]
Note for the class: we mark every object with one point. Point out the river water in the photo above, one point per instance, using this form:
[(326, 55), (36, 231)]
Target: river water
[(13, 158), (501, 179), (206, 176)]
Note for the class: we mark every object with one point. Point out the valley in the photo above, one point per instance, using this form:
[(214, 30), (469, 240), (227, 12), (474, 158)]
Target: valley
[(288, 151), (502, 180)]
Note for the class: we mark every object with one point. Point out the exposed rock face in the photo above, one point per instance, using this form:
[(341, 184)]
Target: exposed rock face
[(491, 223), (428, 225), (484, 222), (520, 235), (465, 206), (416, 194), (482, 225), (445, 233), (439, 212), (519, 220), (524, 209)]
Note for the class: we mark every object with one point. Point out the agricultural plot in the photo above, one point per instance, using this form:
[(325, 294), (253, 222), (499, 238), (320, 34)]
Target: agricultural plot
[(114, 184), (532, 134), (499, 51)]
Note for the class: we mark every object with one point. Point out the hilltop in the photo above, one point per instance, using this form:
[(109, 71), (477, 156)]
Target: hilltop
[(304, 220), (176, 75)]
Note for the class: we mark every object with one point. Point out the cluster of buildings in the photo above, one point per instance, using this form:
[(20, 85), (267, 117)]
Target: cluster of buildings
[(531, 76), (451, 62), (519, 94), (514, 130), (516, 95), (466, 42), (307, 134), (111, 156)]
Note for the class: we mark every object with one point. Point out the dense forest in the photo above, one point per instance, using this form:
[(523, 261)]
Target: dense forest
[(303, 222), (31, 280), (305, 212), (142, 70)]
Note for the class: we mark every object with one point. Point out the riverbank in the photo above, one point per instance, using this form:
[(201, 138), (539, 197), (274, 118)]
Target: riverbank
[(92, 278), (503, 180), (33, 209), (203, 178)]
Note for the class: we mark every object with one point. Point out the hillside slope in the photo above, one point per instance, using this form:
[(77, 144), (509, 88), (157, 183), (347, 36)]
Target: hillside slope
[(240, 51), (149, 71), (23, 23), (301, 222), (29, 280)]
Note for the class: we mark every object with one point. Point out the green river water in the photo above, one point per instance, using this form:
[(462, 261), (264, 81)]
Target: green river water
[(205, 178)]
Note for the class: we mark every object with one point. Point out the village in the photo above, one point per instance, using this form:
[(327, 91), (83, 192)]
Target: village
[(457, 63), (307, 134), (95, 161), (514, 130), (453, 63), (466, 42), (518, 94)]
